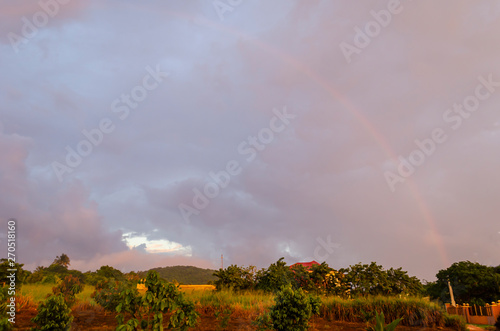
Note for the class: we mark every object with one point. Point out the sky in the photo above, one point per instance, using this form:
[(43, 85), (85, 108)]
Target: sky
[(141, 134)]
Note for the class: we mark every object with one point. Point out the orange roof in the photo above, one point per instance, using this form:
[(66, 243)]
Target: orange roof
[(306, 265)]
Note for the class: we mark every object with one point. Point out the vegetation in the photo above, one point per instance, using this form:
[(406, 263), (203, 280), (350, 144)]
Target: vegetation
[(21, 274), (4, 317), (235, 278), (53, 314), (472, 283), (68, 288), (292, 310), (160, 298), (414, 311), (184, 275), (275, 277), (380, 323), (279, 297), (108, 293), (372, 279)]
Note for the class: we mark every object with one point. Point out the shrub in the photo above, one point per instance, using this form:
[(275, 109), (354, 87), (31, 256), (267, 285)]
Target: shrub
[(160, 298), (292, 310), (69, 288), (49, 279), (53, 314), (455, 321), (107, 294)]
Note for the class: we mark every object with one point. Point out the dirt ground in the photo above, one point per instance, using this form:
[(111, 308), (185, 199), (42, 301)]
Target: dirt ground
[(93, 320)]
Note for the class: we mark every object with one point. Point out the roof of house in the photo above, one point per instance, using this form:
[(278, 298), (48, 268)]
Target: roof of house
[(306, 265)]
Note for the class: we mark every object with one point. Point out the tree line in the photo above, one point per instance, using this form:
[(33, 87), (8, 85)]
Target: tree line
[(471, 282)]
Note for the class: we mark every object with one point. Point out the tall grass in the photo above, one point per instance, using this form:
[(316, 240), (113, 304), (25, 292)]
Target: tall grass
[(414, 311), (246, 300), (39, 292)]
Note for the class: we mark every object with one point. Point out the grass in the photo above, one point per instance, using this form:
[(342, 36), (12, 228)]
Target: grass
[(414, 311), (39, 292), (486, 327), (244, 300)]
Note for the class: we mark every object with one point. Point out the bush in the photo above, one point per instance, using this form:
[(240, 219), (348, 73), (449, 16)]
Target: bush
[(292, 310), (49, 279), (108, 294), (159, 298), (69, 288), (456, 322), (53, 314)]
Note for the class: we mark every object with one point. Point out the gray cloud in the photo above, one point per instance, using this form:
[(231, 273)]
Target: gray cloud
[(322, 176)]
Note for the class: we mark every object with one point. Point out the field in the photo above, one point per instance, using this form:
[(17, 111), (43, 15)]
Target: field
[(231, 311)]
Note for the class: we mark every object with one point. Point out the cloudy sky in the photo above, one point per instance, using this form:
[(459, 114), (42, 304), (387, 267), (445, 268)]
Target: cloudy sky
[(141, 134)]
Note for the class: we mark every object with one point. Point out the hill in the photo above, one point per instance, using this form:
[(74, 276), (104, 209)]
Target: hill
[(185, 274)]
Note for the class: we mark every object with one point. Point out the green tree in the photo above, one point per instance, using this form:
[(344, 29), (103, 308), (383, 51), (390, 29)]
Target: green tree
[(472, 283), (21, 274), (372, 279), (273, 278), (319, 275), (401, 283), (236, 278), (367, 279), (110, 273), (62, 260), (302, 278)]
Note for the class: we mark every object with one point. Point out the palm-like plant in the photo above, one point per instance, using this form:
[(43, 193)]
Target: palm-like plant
[(380, 323)]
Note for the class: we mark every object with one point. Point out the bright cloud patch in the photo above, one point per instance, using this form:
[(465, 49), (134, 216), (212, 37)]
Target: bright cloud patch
[(155, 246)]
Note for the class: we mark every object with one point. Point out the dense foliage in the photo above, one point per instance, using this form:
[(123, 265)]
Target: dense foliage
[(160, 298), (372, 279), (21, 274), (68, 288), (107, 294), (184, 275), (4, 317), (292, 310), (357, 280), (472, 283), (53, 314), (235, 278)]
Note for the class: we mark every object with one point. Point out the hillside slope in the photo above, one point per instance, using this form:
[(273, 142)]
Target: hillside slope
[(185, 274)]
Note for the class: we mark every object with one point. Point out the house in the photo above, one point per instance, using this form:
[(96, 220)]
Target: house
[(307, 265)]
